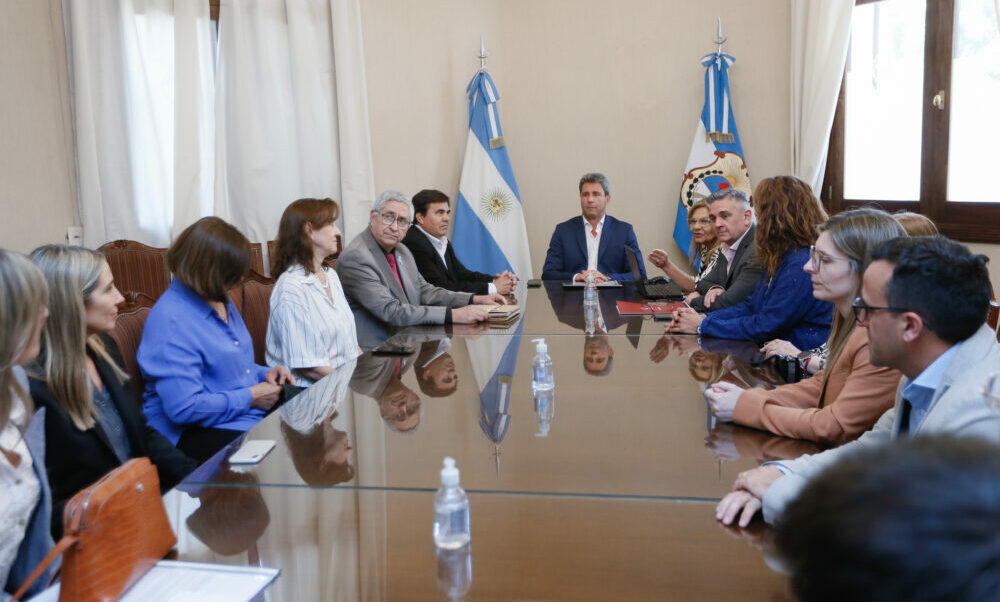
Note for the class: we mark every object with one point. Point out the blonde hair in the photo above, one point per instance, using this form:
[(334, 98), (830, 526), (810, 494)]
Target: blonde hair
[(24, 293), (72, 274), (916, 224), (705, 250), (856, 234)]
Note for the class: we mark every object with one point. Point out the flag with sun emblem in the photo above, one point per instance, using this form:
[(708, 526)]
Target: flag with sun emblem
[(489, 234), (716, 158)]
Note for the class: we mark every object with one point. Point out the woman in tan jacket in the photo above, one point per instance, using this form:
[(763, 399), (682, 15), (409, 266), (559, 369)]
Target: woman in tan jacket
[(848, 396)]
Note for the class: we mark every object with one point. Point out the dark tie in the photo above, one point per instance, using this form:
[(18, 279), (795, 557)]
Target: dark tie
[(391, 258), (904, 417)]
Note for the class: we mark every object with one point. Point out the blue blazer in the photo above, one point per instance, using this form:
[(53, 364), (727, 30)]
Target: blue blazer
[(567, 255), (782, 307)]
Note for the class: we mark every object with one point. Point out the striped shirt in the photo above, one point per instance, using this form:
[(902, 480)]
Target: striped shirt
[(306, 329)]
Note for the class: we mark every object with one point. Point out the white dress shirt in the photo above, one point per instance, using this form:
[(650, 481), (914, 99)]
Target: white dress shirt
[(306, 329), (730, 252), (593, 241), (441, 246), (19, 489)]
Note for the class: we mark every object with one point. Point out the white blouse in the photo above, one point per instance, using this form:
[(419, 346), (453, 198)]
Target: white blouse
[(19, 489), (306, 329)]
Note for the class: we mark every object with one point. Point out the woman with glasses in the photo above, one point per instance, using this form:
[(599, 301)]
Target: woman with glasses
[(25, 500), (705, 247), (846, 399), (202, 386), (782, 304), (93, 423), (311, 328)]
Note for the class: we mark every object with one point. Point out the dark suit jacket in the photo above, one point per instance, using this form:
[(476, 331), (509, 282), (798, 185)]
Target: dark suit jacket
[(567, 254), (454, 276), (739, 282), (76, 459)]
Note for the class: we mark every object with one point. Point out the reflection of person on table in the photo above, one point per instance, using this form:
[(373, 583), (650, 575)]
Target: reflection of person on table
[(435, 369), (598, 356), (380, 377), (844, 401), (319, 451), (730, 442), (232, 515)]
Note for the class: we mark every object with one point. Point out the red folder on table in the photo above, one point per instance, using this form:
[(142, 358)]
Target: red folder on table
[(647, 308)]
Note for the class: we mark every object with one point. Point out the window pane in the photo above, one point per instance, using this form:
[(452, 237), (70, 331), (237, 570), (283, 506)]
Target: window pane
[(885, 78), (975, 90)]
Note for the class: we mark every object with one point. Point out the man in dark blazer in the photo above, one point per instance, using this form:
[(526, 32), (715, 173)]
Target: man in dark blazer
[(427, 239), (383, 286), (737, 272), (593, 243)]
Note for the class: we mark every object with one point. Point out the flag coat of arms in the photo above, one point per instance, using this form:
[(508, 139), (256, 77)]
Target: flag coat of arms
[(716, 159), (489, 234)]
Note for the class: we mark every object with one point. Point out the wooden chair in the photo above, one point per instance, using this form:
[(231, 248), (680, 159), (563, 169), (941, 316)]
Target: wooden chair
[(272, 249), (992, 315), (257, 257), (253, 300), (137, 267), (127, 333)]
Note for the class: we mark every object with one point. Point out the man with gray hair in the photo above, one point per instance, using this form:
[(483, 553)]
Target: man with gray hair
[(737, 272), (594, 243), (383, 286)]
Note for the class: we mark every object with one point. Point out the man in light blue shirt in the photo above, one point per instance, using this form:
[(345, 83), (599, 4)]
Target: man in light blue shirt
[(923, 302)]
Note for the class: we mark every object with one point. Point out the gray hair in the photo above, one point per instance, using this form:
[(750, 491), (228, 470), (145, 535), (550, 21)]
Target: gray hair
[(596, 178), (392, 195), (733, 193)]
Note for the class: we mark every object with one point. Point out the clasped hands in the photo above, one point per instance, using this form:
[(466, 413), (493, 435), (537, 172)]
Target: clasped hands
[(747, 496), (598, 277), (505, 282)]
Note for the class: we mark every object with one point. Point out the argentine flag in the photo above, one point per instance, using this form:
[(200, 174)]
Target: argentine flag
[(489, 234), (716, 158)]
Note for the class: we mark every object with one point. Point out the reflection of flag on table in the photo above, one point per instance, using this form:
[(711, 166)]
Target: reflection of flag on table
[(716, 158), (489, 234), (494, 359)]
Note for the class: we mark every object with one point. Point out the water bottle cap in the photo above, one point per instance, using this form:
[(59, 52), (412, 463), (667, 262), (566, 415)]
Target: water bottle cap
[(540, 345), (449, 474)]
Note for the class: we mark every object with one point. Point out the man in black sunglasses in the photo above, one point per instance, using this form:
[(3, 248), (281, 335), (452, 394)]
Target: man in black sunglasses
[(924, 302)]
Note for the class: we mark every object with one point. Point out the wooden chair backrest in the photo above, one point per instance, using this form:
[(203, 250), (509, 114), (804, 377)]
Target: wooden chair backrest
[(137, 267)]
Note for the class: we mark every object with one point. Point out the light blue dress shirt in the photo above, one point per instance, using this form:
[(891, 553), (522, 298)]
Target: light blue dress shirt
[(198, 368), (920, 391)]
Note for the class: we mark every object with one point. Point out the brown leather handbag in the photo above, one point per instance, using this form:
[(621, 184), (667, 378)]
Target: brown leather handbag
[(115, 531)]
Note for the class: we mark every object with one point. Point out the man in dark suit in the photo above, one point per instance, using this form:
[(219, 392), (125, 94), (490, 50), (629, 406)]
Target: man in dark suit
[(593, 243), (737, 272), (427, 239)]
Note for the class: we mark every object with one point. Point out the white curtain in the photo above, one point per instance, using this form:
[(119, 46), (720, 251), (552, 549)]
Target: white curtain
[(291, 112), (141, 77), (165, 134), (821, 33)]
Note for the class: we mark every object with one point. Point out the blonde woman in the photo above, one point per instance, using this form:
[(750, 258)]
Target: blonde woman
[(25, 500), (706, 248), (846, 399), (93, 422)]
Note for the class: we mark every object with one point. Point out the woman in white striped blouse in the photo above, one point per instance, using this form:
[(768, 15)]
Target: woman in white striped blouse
[(311, 329)]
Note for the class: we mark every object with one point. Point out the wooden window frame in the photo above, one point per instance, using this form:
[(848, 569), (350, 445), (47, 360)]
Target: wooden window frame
[(968, 222)]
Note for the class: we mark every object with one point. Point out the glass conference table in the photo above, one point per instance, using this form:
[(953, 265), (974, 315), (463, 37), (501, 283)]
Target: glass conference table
[(606, 490)]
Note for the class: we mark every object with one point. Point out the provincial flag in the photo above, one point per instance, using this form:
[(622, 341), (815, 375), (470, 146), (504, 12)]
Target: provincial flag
[(489, 234), (716, 158)]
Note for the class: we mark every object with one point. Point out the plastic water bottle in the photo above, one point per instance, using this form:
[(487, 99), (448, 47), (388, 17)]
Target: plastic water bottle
[(545, 410), (454, 572), (542, 378), (590, 291), (451, 510)]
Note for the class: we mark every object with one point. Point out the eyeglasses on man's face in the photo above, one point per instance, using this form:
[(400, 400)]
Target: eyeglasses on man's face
[(389, 218), (862, 310)]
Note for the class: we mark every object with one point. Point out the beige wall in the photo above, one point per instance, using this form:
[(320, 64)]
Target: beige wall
[(37, 181), (585, 85)]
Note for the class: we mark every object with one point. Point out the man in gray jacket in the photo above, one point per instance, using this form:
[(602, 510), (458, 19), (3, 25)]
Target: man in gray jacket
[(923, 301), (383, 286)]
